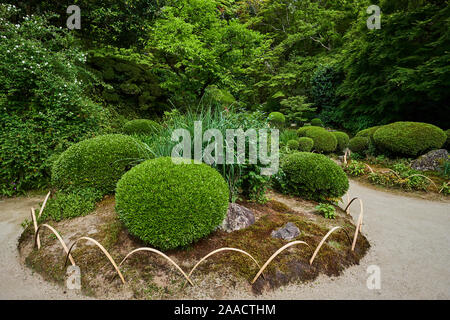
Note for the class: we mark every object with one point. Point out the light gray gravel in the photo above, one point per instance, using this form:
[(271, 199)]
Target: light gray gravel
[(410, 243)]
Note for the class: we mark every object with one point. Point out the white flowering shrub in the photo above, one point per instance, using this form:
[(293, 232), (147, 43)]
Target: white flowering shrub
[(44, 103)]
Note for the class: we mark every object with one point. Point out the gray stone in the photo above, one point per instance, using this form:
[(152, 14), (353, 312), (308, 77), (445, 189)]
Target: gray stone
[(288, 232), (238, 217), (430, 161)]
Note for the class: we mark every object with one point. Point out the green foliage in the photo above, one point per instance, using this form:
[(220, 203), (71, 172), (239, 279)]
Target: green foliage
[(171, 205), (342, 140), (141, 126), (302, 131), (399, 71), (71, 205), (316, 122), (359, 144), (44, 106), (328, 211), (211, 117), (293, 144), (277, 118), (313, 176), (445, 188), (409, 138), (368, 133), (356, 168), (401, 176), (296, 109), (97, 163), (324, 141), (447, 142), (286, 135), (305, 144)]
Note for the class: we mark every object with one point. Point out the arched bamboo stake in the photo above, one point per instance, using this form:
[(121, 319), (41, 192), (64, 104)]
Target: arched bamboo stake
[(220, 250), (57, 236), (274, 255), (348, 205), (321, 243), (101, 248), (161, 254), (371, 170), (358, 227), (33, 218), (394, 172), (43, 204), (421, 175)]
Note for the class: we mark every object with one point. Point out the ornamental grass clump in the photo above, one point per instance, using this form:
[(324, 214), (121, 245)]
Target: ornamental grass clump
[(170, 205)]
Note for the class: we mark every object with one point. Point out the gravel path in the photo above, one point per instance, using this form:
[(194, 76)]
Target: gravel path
[(17, 282), (410, 243)]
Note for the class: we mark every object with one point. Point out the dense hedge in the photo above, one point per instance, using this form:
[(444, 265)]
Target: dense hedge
[(170, 205), (324, 141), (359, 144), (141, 126), (277, 118), (97, 163), (314, 176), (409, 138), (305, 144), (302, 131), (342, 140), (316, 122), (293, 144), (447, 143)]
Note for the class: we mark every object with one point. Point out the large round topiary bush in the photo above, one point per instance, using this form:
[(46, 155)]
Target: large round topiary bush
[(359, 144), (324, 141), (293, 144), (314, 176), (97, 163), (277, 118), (302, 131), (342, 140), (305, 144), (170, 205), (316, 122), (141, 126), (409, 138)]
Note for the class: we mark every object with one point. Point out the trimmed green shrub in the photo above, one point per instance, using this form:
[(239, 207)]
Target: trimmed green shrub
[(305, 144), (302, 131), (314, 176), (359, 144), (97, 163), (70, 205), (368, 133), (277, 118), (316, 122), (170, 205), (409, 138), (141, 126), (447, 142), (324, 141), (293, 144), (342, 140)]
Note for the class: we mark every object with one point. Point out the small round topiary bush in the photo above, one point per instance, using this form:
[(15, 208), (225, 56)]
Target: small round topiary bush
[(316, 122), (293, 144), (302, 131), (141, 126), (314, 176), (359, 144), (97, 163), (368, 133), (305, 144), (324, 141), (409, 138), (277, 118), (342, 140), (170, 205)]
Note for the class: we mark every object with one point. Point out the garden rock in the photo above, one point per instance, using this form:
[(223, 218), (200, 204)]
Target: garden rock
[(238, 217), (288, 232), (430, 161)]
